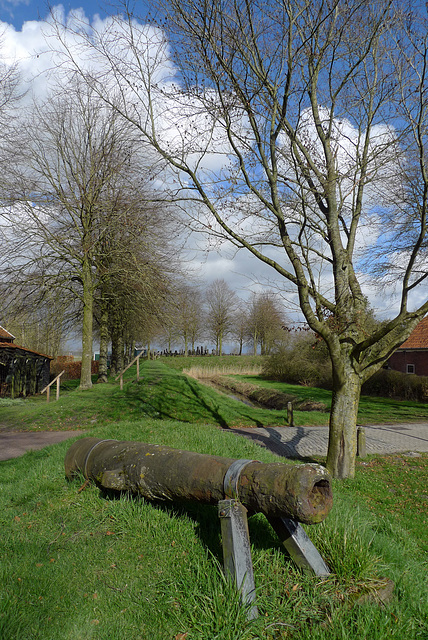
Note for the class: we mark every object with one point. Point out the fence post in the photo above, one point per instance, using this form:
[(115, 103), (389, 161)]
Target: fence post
[(290, 418), (361, 442), (48, 387)]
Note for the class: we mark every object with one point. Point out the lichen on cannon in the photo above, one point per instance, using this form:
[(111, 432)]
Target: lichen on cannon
[(301, 492)]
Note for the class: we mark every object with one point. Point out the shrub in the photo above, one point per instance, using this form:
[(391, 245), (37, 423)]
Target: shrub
[(394, 384), (72, 370), (305, 361)]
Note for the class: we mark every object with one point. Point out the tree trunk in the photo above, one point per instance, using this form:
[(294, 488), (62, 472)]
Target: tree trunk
[(120, 358), (115, 349), (85, 376), (342, 443), (102, 368)]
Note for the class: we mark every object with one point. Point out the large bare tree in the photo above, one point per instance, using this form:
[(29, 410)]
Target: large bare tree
[(266, 321), (69, 203), (298, 130)]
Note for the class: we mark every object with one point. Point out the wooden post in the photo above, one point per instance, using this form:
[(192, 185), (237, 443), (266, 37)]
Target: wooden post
[(290, 418), (361, 442), (120, 375), (48, 387)]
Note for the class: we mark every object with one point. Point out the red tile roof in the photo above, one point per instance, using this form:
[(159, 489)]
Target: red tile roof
[(5, 335), (418, 339), (11, 345)]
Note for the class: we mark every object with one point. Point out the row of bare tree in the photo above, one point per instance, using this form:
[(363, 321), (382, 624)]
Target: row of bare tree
[(84, 235), (216, 314)]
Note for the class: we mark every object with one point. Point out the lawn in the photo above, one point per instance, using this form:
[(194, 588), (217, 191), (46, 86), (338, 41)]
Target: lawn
[(372, 409), (165, 392), (78, 565)]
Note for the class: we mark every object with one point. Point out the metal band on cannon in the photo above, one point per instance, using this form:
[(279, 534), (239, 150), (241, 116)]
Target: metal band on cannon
[(286, 493), (301, 492)]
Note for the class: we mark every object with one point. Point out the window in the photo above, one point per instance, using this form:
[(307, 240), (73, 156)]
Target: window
[(410, 368)]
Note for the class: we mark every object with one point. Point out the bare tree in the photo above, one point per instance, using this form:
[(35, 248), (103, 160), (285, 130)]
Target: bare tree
[(37, 323), (138, 266), (77, 161), (221, 304), (10, 132), (298, 130), (187, 315), (240, 325), (265, 322)]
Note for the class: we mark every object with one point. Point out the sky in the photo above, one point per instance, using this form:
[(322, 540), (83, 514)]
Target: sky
[(16, 12), (22, 21)]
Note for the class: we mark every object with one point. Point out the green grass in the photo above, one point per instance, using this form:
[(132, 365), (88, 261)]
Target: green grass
[(78, 566), (161, 392), (81, 566), (395, 487), (164, 392), (372, 410)]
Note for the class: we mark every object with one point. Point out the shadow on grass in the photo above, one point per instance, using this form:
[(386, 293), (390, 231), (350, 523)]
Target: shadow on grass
[(206, 522), (177, 397)]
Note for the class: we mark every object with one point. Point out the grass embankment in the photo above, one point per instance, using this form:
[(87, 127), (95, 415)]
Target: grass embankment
[(80, 566), (163, 392), (372, 410)]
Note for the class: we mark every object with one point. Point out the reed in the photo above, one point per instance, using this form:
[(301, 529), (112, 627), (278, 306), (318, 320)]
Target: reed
[(205, 373)]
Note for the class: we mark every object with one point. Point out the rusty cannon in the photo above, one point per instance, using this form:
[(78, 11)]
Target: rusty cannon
[(287, 494)]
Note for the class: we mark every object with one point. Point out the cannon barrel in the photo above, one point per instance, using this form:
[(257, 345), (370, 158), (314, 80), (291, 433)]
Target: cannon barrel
[(301, 492)]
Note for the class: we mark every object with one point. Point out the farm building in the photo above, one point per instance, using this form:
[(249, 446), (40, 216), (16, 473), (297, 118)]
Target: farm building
[(412, 356), (22, 371)]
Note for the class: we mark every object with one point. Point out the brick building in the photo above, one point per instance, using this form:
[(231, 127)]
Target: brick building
[(412, 356)]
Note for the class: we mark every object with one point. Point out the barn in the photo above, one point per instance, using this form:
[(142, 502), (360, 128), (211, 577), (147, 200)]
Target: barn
[(22, 371), (412, 355)]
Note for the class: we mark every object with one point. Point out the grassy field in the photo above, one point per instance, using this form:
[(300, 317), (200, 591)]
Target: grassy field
[(164, 392), (372, 410), (77, 565)]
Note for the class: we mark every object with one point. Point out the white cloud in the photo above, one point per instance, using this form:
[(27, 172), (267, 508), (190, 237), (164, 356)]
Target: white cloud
[(186, 124)]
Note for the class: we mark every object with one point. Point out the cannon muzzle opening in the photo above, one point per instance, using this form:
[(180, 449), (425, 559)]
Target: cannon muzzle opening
[(301, 492)]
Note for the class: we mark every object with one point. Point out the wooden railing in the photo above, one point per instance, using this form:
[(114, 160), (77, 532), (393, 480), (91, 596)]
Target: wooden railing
[(120, 375), (48, 387)]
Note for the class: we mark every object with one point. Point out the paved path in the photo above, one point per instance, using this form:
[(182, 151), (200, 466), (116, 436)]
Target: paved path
[(304, 442), (15, 443), (290, 442)]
